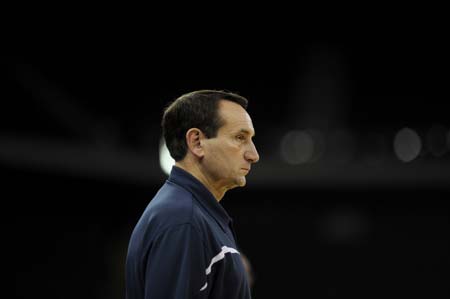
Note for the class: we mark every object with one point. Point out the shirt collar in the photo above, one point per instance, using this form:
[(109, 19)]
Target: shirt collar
[(186, 180)]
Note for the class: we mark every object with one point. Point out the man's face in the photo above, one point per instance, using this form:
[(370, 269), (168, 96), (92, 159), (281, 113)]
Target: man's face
[(229, 155)]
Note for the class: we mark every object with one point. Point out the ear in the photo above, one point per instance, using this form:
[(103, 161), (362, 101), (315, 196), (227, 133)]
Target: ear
[(193, 140)]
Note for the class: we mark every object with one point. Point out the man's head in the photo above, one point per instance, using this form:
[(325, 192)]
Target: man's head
[(214, 128)]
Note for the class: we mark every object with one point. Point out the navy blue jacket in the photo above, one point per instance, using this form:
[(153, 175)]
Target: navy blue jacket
[(183, 246)]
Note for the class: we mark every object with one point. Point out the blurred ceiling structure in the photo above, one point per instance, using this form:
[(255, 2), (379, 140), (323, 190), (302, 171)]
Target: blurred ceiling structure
[(326, 113)]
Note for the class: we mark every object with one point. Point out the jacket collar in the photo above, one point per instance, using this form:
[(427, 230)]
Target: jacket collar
[(201, 194)]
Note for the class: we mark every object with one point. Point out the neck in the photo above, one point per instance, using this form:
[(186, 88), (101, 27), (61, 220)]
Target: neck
[(195, 170)]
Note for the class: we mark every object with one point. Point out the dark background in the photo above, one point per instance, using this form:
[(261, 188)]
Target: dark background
[(79, 142)]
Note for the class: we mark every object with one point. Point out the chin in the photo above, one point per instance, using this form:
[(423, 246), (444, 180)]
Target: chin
[(242, 182)]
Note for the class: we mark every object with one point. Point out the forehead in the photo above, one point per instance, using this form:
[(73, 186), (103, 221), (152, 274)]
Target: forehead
[(235, 117)]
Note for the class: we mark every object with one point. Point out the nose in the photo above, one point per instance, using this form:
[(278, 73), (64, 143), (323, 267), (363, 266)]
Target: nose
[(251, 154)]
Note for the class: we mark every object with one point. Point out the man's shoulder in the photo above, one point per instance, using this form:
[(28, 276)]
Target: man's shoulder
[(173, 205), (171, 199)]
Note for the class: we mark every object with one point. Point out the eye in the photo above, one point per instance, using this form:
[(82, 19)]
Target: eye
[(240, 137)]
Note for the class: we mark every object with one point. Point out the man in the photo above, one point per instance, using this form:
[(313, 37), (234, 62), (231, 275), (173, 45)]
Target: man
[(184, 245)]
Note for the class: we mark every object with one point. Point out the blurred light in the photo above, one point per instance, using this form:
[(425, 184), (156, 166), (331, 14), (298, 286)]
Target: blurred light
[(297, 147), (407, 144), (341, 146), (436, 140), (165, 160)]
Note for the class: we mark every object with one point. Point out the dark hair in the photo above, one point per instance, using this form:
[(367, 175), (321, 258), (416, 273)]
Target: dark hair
[(197, 109)]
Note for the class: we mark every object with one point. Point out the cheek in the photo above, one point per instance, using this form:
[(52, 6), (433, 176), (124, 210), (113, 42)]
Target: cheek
[(226, 154), (216, 157)]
